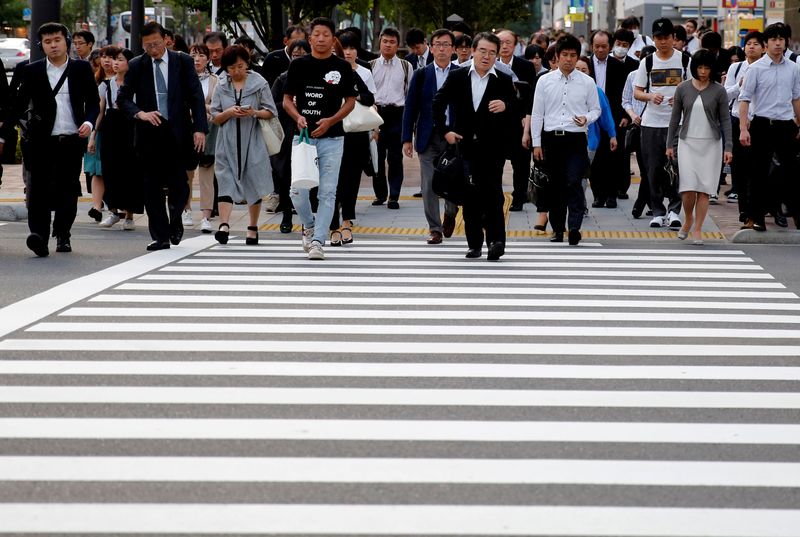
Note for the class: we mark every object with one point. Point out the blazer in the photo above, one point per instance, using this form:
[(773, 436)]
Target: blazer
[(526, 73), (484, 133), (413, 59), (715, 104), (185, 101), (275, 63), (616, 75), (418, 111), (35, 92)]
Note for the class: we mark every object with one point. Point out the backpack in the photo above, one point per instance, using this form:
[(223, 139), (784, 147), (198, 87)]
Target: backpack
[(648, 65), (793, 57)]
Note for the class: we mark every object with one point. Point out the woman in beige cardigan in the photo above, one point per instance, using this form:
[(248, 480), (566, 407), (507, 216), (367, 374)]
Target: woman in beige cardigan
[(701, 126)]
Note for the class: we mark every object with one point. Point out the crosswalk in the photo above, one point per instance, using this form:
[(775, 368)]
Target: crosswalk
[(399, 389)]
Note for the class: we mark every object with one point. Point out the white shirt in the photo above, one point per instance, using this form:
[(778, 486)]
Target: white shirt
[(600, 68), (664, 79), (639, 42), (732, 87), (391, 82), (558, 99), (693, 45), (479, 84), (65, 119), (164, 71), (366, 77)]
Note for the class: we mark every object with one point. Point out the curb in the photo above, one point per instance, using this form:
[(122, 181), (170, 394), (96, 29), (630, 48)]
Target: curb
[(749, 236), (13, 213)]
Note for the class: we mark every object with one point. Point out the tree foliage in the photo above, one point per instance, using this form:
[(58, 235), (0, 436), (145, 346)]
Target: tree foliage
[(11, 12), (480, 15)]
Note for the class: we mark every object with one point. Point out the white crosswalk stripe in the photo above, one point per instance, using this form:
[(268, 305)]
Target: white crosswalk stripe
[(398, 389)]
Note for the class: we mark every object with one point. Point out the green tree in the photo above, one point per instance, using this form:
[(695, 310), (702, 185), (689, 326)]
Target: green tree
[(478, 14), (11, 12)]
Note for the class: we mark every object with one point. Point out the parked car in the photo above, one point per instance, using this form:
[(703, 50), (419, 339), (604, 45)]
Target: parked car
[(13, 50)]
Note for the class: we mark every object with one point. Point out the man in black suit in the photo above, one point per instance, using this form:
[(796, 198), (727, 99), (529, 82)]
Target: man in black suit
[(60, 97), (484, 112), (5, 123), (277, 61), (163, 93), (419, 54), (526, 85)]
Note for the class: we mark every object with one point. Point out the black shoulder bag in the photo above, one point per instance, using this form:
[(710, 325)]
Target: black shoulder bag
[(451, 175)]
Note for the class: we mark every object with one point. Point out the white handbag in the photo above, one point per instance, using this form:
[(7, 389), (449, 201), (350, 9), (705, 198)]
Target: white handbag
[(272, 132), (362, 118), (305, 165)]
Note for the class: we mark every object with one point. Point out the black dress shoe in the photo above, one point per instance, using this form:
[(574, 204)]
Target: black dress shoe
[(378, 201), (622, 195), (392, 204), (496, 251), (515, 207), (176, 236), (286, 223), (636, 212), (649, 212), (781, 221), (759, 226), (63, 245), (598, 204), (611, 203), (557, 237), (473, 253), (574, 237), (157, 245), (418, 194), (38, 245)]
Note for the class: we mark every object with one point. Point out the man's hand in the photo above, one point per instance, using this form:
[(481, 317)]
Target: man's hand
[(624, 122), (526, 140), (538, 154), (613, 144), (154, 118), (579, 120), (727, 157), (85, 130), (408, 149), (670, 153), (656, 98), (302, 123), (322, 126), (199, 142), (453, 137), (497, 106), (744, 137)]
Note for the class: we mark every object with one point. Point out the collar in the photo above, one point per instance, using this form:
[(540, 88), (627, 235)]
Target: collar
[(490, 72), (441, 69), (510, 62), (601, 62), (390, 61), (570, 76), (58, 67), (164, 57), (783, 59)]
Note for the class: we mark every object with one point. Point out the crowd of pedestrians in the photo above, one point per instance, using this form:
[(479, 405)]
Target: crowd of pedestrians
[(144, 129)]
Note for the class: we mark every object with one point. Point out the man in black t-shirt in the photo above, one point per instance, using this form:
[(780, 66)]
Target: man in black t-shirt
[(319, 83)]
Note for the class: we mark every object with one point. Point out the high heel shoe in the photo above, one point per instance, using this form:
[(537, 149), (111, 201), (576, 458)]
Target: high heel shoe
[(251, 241), (286, 223), (222, 236), (347, 235), (682, 234), (541, 227)]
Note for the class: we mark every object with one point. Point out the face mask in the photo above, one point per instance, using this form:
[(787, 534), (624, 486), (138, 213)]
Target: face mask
[(620, 52), (636, 34)]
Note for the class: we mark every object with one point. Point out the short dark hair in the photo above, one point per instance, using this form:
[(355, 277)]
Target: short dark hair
[(180, 44), (441, 32), (86, 35), (711, 41), (532, 51), (216, 36), (232, 54), (199, 48), (646, 51), (299, 43), (601, 32), (322, 21), (630, 22), (464, 40), (151, 28), (390, 32), (777, 30), (486, 36), (170, 33), (246, 41), (354, 30), (704, 58), (110, 51), (460, 26), (680, 33), (736, 52), (568, 42), (49, 28), (295, 28), (415, 36), (755, 34), (693, 21), (128, 53), (512, 32), (349, 40), (626, 36), (550, 53)]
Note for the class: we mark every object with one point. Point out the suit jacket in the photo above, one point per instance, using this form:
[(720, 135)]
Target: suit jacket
[(35, 92), (185, 101), (418, 111), (526, 72), (485, 133), (616, 75), (413, 59), (275, 63)]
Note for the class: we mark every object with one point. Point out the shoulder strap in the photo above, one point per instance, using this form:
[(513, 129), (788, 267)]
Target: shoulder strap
[(793, 57), (648, 66), (61, 80), (406, 67), (738, 68), (685, 58), (372, 63)]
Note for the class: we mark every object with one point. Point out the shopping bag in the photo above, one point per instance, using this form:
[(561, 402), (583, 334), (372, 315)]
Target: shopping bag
[(362, 119), (272, 132), (305, 164)]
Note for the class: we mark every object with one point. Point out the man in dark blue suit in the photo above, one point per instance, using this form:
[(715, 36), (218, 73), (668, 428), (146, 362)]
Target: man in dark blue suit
[(418, 122), (57, 98), (163, 93), (419, 54)]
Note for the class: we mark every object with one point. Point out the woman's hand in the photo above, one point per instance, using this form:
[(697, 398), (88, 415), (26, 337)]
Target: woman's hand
[(727, 157)]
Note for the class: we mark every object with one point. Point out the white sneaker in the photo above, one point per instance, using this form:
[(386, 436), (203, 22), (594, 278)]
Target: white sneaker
[(128, 225), (657, 221), (271, 203), (673, 220), (186, 218), (307, 236), (315, 251), (713, 199), (109, 220), (205, 226)]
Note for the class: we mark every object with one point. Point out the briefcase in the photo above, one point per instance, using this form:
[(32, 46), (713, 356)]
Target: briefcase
[(451, 177)]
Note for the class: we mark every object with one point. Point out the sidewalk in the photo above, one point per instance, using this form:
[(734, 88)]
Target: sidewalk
[(616, 223)]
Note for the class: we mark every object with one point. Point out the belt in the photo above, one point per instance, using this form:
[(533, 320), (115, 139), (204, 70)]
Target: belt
[(564, 133), (389, 106), (58, 138), (773, 121)]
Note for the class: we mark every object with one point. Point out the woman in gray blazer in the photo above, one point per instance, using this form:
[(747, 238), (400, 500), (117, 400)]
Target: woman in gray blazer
[(705, 128)]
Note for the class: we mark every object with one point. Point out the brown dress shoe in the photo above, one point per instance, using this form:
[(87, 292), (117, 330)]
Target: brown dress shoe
[(435, 238), (748, 224), (448, 225)]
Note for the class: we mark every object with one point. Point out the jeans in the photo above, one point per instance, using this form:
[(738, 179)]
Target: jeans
[(329, 155)]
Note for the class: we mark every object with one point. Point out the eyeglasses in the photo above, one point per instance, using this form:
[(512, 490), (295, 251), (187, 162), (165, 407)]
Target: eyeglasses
[(484, 52), (154, 44), (441, 45)]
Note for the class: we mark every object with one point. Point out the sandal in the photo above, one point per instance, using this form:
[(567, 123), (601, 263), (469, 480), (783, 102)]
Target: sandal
[(222, 236), (347, 239), (252, 241), (337, 242)]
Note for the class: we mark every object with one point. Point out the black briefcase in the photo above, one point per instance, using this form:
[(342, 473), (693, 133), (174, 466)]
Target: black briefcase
[(451, 177), (538, 186)]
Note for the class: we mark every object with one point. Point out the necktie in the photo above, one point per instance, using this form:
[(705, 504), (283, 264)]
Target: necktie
[(161, 90)]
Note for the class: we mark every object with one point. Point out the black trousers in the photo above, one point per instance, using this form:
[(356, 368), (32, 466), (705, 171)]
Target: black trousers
[(622, 162), (566, 161), (483, 205), (55, 184), (602, 175), (741, 171), (354, 157), (163, 161), (521, 164), (770, 138), (654, 156), (390, 154)]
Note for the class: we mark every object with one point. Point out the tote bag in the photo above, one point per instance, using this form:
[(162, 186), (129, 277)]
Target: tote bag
[(272, 132), (361, 119), (305, 167)]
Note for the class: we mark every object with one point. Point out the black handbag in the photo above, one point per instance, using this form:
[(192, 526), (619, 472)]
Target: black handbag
[(538, 185), (451, 177), (671, 169), (633, 139)]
